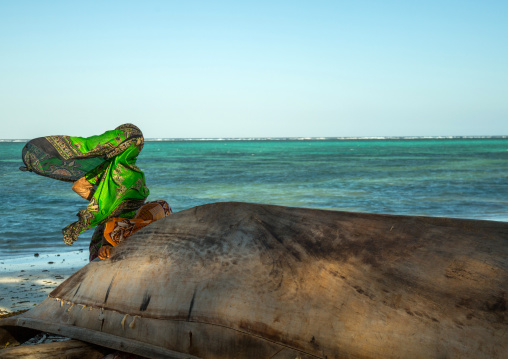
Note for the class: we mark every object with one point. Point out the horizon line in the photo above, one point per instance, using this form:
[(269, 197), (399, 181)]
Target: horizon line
[(296, 138)]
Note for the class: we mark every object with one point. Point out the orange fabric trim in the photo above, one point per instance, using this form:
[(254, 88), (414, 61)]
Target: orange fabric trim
[(128, 228), (110, 225), (117, 229)]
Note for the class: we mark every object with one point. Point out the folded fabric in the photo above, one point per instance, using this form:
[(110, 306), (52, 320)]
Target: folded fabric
[(117, 229)]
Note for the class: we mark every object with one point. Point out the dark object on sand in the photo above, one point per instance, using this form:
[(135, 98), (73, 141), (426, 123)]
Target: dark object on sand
[(69, 349), (244, 280)]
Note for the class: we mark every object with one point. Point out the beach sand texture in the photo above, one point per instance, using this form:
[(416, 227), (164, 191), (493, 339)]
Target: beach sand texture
[(26, 281)]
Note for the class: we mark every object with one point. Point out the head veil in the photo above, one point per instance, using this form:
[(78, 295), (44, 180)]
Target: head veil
[(68, 158)]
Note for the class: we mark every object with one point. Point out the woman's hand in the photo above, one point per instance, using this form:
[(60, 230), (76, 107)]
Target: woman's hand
[(105, 251), (83, 188)]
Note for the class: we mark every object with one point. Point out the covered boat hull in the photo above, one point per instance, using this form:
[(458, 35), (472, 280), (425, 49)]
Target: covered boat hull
[(238, 280)]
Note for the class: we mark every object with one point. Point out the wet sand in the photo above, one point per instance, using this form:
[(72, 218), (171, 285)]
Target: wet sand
[(27, 281)]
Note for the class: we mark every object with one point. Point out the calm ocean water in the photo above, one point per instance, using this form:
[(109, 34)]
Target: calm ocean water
[(463, 178)]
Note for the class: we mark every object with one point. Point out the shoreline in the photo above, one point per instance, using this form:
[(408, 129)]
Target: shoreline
[(26, 281)]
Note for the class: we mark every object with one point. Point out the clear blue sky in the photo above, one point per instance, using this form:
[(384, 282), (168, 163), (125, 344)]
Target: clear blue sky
[(257, 68)]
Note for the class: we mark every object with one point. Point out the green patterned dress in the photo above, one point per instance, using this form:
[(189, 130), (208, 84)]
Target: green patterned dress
[(107, 161)]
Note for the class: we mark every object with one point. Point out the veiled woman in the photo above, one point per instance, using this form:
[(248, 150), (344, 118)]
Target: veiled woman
[(104, 173)]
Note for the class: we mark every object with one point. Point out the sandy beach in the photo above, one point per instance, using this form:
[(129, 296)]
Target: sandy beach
[(26, 281)]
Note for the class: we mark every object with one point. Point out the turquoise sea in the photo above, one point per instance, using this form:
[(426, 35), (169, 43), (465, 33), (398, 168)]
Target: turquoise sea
[(453, 177)]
